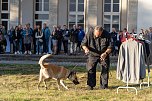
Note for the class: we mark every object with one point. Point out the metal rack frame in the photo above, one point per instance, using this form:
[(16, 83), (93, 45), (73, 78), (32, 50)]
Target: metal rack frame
[(127, 86)]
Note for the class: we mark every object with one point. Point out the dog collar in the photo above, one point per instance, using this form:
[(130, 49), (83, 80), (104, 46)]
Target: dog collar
[(69, 74)]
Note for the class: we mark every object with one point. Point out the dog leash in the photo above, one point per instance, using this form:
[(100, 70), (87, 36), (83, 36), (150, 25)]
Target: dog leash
[(78, 64)]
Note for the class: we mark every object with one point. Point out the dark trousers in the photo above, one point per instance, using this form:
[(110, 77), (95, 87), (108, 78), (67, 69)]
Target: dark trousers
[(65, 46), (59, 46), (28, 47), (1, 49), (34, 45), (91, 66), (45, 45)]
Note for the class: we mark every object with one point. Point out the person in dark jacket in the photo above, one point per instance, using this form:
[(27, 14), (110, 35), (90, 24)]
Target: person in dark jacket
[(1, 42), (65, 39), (81, 35), (35, 30), (98, 46), (59, 38), (114, 37), (21, 44), (73, 40), (16, 36)]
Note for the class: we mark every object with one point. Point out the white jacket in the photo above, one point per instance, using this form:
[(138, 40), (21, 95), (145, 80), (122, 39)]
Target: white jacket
[(131, 56)]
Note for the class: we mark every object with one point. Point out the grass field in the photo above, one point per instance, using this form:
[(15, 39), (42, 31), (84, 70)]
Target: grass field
[(19, 83)]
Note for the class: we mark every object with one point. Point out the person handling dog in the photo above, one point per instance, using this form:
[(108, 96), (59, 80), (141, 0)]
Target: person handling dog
[(98, 45)]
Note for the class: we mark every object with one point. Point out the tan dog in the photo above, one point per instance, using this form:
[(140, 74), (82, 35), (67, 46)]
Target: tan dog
[(59, 73)]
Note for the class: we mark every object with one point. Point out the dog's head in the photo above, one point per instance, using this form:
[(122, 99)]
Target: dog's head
[(72, 77)]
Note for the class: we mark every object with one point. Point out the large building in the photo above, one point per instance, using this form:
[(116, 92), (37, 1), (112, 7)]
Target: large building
[(132, 14)]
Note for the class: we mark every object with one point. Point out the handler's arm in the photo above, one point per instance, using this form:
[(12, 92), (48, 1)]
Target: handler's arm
[(108, 51), (84, 44)]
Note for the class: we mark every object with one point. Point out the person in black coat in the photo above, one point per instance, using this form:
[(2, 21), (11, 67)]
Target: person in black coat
[(98, 46), (16, 36), (73, 40)]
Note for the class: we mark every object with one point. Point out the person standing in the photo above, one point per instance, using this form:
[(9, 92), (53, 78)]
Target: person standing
[(59, 38), (35, 30), (65, 39), (1, 42), (46, 38), (81, 35), (54, 40), (114, 37), (20, 31), (27, 33), (39, 40), (16, 38), (98, 46), (73, 40)]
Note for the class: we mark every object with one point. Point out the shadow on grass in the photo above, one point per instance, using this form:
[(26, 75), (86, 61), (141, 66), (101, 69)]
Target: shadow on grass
[(12, 69)]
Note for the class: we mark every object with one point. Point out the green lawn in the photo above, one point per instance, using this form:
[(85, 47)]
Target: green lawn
[(19, 83)]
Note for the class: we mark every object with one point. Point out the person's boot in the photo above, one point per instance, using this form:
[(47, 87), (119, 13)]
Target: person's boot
[(90, 88)]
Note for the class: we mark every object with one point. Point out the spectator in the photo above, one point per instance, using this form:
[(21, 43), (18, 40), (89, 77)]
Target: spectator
[(90, 29), (39, 40), (34, 38), (54, 40), (1, 42), (119, 35), (125, 35), (27, 39), (150, 33), (10, 34), (73, 40), (81, 35), (2, 28), (16, 37), (133, 33), (65, 39), (59, 38), (20, 31), (46, 38), (114, 38)]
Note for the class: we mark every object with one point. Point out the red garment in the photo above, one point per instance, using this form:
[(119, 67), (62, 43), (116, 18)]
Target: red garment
[(123, 36)]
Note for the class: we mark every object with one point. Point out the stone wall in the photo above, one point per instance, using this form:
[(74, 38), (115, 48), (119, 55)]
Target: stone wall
[(132, 15), (63, 12), (53, 13), (0, 12), (123, 14), (27, 12), (91, 13), (14, 12)]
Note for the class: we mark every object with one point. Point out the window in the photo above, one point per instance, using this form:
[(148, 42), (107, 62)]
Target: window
[(41, 12), (76, 14), (4, 16), (5, 13), (5, 5), (111, 14), (42, 16), (42, 5)]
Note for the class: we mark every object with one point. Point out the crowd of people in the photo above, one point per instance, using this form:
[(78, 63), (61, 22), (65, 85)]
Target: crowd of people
[(37, 40), (119, 37)]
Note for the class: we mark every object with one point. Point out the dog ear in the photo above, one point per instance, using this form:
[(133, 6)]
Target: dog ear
[(73, 72)]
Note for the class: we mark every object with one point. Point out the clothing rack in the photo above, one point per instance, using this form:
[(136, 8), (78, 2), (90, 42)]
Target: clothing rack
[(134, 88), (148, 81)]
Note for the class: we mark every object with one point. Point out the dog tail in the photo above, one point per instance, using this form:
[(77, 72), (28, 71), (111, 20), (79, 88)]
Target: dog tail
[(43, 58)]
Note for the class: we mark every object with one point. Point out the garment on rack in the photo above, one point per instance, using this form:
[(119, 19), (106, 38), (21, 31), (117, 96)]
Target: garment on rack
[(132, 58)]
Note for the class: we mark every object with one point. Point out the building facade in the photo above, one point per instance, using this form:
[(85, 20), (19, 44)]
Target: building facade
[(131, 14)]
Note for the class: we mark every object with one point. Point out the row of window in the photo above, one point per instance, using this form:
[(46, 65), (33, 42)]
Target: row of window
[(76, 12)]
